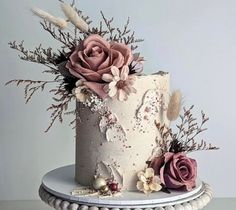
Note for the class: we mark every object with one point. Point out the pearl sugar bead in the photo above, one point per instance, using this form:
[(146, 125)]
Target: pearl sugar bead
[(98, 183)]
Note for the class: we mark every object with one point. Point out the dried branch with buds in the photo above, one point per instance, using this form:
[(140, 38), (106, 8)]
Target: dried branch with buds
[(31, 86), (39, 55), (64, 37), (60, 107), (184, 140), (125, 36)]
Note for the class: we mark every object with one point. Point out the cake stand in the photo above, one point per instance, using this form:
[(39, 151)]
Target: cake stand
[(57, 185)]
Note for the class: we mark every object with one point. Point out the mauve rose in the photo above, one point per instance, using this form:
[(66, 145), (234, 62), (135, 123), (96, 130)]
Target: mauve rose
[(94, 57), (176, 170), (156, 163)]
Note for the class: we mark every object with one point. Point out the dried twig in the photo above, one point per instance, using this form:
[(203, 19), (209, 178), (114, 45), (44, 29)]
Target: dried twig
[(40, 55), (62, 99), (65, 38), (31, 86), (184, 140), (108, 25), (165, 136), (125, 36)]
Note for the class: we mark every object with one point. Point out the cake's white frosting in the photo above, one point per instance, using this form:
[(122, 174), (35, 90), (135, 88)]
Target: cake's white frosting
[(122, 148)]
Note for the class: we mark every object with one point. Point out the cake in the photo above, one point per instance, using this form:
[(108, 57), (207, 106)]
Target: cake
[(125, 140), (127, 143)]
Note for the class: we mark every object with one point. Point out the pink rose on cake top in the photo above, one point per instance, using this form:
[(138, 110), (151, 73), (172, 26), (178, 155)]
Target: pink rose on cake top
[(95, 57)]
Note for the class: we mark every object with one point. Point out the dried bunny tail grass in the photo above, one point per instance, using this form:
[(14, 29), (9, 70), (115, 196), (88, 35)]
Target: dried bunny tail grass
[(174, 105), (74, 18), (57, 21)]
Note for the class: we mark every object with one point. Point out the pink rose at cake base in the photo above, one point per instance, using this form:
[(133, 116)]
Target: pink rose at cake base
[(176, 170), (132, 132)]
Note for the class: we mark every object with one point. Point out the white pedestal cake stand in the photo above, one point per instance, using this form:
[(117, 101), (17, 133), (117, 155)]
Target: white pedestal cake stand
[(57, 186)]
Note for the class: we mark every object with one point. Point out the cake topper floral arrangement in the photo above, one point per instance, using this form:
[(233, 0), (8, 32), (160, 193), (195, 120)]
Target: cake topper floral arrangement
[(96, 63), (93, 60)]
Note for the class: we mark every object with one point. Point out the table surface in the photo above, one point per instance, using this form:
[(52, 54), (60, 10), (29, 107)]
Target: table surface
[(215, 204)]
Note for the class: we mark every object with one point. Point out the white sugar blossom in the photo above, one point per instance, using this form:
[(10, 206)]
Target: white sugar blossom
[(80, 94), (120, 83), (148, 182)]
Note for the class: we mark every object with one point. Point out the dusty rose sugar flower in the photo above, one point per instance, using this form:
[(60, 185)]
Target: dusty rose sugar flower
[(148, 181), (176, 170), (94, 57), (120, 83)]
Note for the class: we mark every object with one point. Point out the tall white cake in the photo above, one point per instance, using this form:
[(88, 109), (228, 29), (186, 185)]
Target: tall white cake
[(126, 145)]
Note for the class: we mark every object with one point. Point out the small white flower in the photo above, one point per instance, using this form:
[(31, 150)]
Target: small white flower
[(148, 182), (79, 83), (80, 94), (120, 83)]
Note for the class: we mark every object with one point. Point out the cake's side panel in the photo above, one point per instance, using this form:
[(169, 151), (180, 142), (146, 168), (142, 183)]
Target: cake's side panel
[(88, 138), (130, 149)]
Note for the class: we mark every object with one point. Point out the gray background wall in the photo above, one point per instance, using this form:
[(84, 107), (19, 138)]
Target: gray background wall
[(194, 40)]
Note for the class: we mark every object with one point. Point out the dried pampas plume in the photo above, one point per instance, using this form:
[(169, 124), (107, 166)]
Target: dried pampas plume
[(174, 105), (74, 18), (57, 21)]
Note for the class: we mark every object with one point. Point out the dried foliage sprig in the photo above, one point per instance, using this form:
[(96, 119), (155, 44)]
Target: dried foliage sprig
[(62, 97), (184, 140), (31, 86), (189, 129), (72, 122), (125, 36), (49, 59), (39, 55), (64, 37), (60, 106), (98, 30), (165, 136), (108, 23)]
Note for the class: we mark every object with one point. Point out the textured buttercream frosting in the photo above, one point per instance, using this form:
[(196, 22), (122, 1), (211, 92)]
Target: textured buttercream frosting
[(125, 146)]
